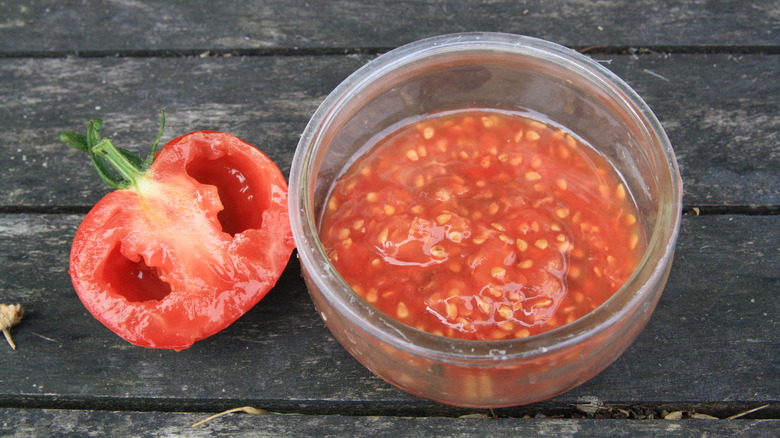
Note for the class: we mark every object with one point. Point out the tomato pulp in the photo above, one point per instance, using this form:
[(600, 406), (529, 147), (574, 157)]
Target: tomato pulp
[(482, 224)]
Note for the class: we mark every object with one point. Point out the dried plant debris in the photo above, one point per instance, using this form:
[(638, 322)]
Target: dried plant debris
[(246, 409), (749, 411), (10, 315)]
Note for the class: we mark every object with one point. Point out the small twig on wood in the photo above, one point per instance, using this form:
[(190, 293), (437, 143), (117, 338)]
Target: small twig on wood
[(247, 409), (750, 411), (10, 315)]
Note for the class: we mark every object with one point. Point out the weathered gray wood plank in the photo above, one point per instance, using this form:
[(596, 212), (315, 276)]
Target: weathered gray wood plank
[(727, 147), (16, 423), (712, 341), (118, 26)]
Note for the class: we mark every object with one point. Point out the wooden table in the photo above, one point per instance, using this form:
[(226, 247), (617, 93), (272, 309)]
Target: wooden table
[(710, 71)]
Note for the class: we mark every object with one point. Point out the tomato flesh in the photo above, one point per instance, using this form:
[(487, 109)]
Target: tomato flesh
[(482, 224)]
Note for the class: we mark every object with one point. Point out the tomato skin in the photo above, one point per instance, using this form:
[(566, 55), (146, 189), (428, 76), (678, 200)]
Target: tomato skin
[(201, 238)]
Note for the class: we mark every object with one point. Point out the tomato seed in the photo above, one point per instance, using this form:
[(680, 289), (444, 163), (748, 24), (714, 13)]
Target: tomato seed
[(498, 273), (633, 240), (382, 237), (620, 192), (438, 251), (522, 245), (506, 312), (443, 218), (402, 311), (532, 176)]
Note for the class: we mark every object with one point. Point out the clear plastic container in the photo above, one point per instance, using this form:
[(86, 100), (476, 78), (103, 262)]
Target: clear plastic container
[(487, 70)]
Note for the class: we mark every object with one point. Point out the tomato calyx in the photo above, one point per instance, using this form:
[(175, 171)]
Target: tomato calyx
[(117, 167)]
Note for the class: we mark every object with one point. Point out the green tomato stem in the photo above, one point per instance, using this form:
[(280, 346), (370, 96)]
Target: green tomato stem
[(127, 170), (117, 167)]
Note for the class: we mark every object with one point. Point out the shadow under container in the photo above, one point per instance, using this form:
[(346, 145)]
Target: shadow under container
[(487, 70)]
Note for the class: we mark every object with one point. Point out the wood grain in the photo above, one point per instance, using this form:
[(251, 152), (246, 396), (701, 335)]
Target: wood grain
[(15, 423), (712, 340), (114, 26), (727, 148)]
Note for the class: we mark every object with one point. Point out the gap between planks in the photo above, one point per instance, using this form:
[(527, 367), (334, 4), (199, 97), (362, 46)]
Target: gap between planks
[(341, 51)]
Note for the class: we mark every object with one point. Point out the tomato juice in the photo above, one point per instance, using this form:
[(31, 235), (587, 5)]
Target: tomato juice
[(482, 224)]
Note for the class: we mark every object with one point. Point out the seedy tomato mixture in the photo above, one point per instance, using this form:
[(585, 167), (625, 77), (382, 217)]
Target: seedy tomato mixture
[(482, 224)]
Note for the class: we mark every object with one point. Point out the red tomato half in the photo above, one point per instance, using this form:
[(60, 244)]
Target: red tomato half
[(197, 241)]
